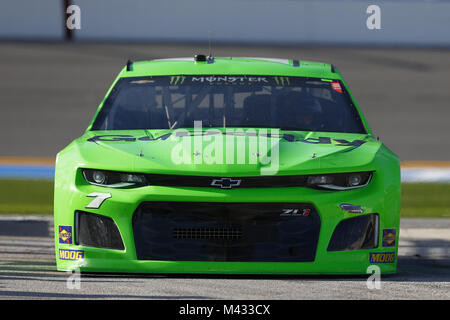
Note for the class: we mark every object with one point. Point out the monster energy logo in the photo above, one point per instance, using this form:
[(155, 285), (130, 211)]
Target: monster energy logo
[(230, 79), (174, 80), (282, 81)]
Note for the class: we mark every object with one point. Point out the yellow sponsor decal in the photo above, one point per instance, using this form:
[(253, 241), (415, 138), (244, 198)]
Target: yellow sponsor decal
[(382, 257), (65, 234), (389, 236), (71, 254)]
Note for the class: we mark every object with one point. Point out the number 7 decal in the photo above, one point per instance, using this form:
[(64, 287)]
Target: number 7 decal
[(99, 198)]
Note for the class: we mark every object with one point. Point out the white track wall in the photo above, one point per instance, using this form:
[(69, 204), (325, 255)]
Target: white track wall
[(419, 23)]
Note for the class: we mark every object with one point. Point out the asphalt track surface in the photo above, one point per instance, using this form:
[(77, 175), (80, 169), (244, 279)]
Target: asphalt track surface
[(50, 91), (27, 271)]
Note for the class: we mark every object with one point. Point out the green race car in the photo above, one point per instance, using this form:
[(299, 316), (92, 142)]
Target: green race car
[(227, 165)]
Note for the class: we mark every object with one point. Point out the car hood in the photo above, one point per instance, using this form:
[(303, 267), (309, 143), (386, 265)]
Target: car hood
[(246, 152)]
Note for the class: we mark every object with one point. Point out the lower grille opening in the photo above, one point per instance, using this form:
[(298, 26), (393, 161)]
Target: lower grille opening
[(208, 233), (356, 233), (94, 230)]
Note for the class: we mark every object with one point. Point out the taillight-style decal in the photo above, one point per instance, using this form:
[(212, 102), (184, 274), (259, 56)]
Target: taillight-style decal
[(336, 86)]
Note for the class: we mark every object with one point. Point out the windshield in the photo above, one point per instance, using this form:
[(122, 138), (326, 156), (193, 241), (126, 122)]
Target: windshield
[(171, 102)]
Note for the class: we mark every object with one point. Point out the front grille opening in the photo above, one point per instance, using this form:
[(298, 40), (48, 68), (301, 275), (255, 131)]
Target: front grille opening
[(225, 233), (229, 232)]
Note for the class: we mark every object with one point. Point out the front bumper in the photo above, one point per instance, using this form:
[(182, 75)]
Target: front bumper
[(123, 203)]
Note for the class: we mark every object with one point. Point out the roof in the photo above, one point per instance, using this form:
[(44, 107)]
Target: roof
[(231, 65)]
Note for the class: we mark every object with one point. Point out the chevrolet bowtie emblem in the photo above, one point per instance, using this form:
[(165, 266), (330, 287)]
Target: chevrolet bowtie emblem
[(226, 183)]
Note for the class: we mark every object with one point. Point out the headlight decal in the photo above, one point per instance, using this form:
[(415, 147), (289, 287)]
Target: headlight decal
[(340, 181), (328, 181), (112, 179)]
